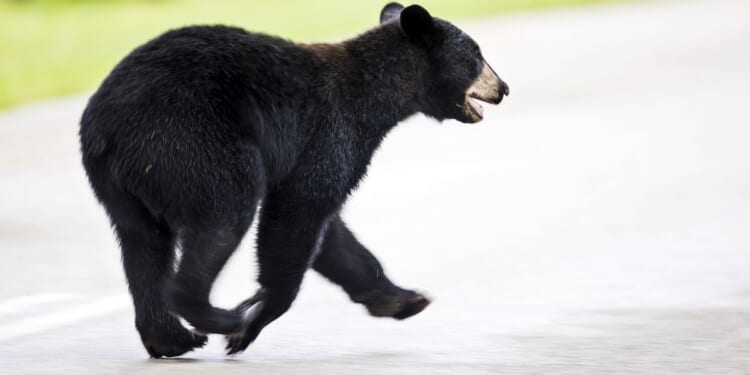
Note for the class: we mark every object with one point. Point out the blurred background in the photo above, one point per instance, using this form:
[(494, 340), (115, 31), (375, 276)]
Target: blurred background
[(58, 47), (595, 222)]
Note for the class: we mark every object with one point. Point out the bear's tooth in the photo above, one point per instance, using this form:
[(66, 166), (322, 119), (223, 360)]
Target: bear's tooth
[(474, 103)]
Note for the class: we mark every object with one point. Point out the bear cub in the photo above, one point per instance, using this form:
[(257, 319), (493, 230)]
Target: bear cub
[(192, 130)]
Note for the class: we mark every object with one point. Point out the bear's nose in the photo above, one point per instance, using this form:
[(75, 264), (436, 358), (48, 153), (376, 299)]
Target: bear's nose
[(504, 88)]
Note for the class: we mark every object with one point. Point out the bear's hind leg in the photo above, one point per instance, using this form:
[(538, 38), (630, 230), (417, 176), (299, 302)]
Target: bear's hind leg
[(148, 258), (290, 231), (205, 250), (347, 263)]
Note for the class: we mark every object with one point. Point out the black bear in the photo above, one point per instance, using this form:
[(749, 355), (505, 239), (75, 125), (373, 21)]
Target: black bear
[(192, 130)]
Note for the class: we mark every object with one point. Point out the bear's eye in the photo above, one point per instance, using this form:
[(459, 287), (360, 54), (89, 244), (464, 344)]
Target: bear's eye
[(478, 65), (477, 51)]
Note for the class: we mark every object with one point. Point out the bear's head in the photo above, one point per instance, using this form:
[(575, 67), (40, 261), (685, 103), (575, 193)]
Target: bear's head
[(459, 77)]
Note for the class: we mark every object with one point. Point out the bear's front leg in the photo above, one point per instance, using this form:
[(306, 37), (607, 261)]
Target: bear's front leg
[(289, 235), (348, 263)]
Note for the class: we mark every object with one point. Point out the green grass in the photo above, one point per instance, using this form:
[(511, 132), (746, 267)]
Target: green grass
[(57, 47)]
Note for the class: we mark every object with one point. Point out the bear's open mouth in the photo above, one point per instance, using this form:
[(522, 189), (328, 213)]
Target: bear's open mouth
[(473, 103), (488, 88)]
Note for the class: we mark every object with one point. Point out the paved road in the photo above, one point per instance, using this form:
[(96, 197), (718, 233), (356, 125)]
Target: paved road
[(595, 223)]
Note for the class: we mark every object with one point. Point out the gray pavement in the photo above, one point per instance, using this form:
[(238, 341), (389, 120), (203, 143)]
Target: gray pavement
[(595, 223)]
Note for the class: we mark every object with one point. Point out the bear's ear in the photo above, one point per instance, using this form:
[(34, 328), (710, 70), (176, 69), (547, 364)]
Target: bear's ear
[(416, 23), (390, 12)]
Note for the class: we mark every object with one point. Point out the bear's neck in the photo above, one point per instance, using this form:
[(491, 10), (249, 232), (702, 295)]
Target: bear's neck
[(388, 70), (376, 78)]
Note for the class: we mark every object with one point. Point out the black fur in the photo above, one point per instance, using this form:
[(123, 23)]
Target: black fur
[(193, 129)]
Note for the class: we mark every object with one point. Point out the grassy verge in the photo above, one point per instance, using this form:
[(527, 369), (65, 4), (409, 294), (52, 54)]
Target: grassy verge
[(57, 47)]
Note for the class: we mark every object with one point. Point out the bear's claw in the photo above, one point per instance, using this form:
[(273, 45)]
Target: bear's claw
[(398, 304), (176, 345), (250, 310), (411, 307)]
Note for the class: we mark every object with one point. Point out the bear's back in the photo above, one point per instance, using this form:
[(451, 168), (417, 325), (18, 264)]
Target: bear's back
[(197, 97), (203, 62), (191, 80)]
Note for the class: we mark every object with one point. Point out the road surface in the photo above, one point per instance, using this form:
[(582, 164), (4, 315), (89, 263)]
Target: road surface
[(596, 222)]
